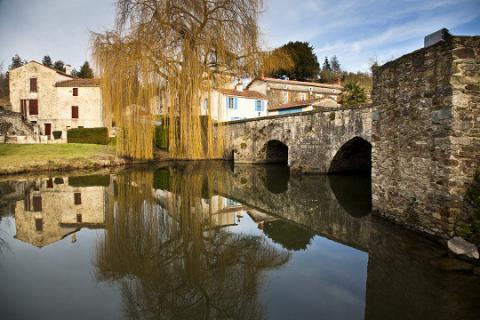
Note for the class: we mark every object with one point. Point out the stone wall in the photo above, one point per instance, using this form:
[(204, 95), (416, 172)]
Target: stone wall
[(426, 134)]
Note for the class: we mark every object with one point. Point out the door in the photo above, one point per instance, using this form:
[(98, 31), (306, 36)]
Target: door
[(48, 129)]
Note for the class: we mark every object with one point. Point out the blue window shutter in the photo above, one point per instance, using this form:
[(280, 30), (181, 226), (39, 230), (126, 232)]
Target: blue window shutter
[(235, 103), (226, 102), (263, 105)]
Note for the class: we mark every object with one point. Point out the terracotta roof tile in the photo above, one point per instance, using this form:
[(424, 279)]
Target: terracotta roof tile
[(249, 94), (79, 83), (293, 104)]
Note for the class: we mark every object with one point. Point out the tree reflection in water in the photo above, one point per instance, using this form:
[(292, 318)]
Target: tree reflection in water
[(172, 260)]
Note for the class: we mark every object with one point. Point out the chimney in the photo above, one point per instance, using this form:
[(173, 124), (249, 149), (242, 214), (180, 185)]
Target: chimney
[(437, 36), (68, 69)]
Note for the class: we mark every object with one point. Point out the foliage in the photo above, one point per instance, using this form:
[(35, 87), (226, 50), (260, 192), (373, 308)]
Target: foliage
[(57, 134), (161, 179), (353, 94), (4, 86), (16, 62), (471, 231), (47, 61), (59, 65), (363, 79), (96, 180), (288, 235), (85, 71), (88, 135), (305, 62), (172, 54), (161, 137)]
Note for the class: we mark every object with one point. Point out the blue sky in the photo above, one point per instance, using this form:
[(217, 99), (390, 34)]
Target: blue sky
[(357, 31)]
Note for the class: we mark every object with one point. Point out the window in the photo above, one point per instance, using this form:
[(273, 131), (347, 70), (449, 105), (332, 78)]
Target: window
[(258, 105), (285, 96), (75, 92), (74, 112), (33, 107), (231, 103), (33, 84), (205, 104), (79, 218), (39, 224), (50, 183), (37, 203), (77, 198)]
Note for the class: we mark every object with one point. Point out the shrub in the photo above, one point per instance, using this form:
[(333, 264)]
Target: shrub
[(57, 134), (161, 137), (161, 179), (88, 135)]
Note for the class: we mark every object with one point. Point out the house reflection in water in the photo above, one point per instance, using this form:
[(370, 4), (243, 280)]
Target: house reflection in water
[(54, 208)]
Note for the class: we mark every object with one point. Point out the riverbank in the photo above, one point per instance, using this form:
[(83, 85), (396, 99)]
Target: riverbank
[(24, 158)]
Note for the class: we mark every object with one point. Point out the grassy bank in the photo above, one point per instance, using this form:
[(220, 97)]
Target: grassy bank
[(18, 158)]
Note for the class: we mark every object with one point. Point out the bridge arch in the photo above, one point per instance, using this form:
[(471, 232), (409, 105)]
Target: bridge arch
[(354, 156), (276, 152)]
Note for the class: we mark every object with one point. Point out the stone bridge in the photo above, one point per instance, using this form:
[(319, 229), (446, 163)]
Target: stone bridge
[(420, 139), (316, 141)]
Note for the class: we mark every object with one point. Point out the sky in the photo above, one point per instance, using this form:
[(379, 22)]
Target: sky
[(358, 32)]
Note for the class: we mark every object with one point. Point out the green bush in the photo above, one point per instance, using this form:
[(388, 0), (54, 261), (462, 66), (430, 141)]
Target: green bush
[(89, 181), (57, 134), (161, 137), (88, 135)]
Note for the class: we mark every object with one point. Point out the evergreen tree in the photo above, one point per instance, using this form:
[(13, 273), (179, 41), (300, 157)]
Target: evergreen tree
[(85, 71), (353, 94), (326, 65), (16, 62), (47, 61), (4, 89), (335, 65), (59, 65)]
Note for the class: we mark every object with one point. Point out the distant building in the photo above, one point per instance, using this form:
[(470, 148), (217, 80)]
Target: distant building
[(236, 103), (289, 96), (54, 100)]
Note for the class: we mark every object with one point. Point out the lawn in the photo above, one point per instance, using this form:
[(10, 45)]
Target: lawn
[(17, 157)]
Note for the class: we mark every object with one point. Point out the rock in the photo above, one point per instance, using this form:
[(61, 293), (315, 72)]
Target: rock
[(460, 246)]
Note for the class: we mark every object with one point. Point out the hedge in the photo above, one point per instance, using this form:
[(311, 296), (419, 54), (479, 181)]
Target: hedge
[(89, 181), (88, 135), (161, 137), (57, 134)]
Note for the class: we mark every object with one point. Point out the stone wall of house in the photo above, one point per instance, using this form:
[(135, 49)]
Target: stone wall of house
[(425, 135)]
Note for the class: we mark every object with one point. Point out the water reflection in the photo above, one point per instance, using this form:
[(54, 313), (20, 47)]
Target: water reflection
[(212, 241)]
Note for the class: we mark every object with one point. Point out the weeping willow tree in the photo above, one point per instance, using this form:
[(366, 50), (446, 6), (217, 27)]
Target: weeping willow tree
[(166, 55)]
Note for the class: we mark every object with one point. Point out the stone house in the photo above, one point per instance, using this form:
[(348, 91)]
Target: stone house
[(289, 96), (54, 100), (53, 209)]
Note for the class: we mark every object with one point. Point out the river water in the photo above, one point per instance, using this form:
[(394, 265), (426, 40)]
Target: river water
[(216, 241)]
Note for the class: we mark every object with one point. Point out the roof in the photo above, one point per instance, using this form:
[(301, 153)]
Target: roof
[(57, 71), (249, 94), (295, 82), (79, 83), (291, 105)]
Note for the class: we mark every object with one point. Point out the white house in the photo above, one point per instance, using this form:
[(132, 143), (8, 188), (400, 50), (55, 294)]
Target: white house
[(54, 100), (235, 104)]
